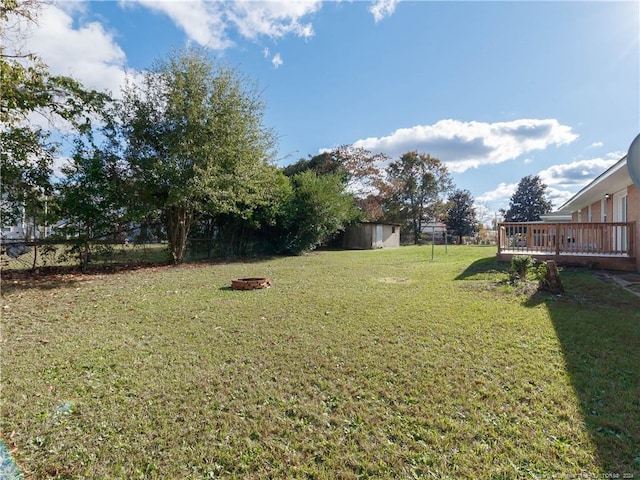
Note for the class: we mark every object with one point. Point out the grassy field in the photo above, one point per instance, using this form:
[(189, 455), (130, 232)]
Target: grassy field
[(356, 364)]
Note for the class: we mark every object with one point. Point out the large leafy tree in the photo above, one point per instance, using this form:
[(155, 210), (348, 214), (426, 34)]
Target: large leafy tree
[(92, 196), (318, 208), (324, 163), (30, 91), (416, 185), (364, 178), (256, 229), (197, 143), (359, 171), (461, 214), (528, 202)]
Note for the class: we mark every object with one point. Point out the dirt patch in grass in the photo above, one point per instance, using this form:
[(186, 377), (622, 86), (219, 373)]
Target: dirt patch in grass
[(394, 280)]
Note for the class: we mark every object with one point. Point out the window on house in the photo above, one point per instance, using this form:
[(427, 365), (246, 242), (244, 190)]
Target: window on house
[(393, 229)]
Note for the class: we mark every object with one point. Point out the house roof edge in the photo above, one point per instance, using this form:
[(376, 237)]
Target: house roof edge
[(579, 196)]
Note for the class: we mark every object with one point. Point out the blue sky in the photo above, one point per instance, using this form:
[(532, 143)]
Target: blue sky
[(497, 90)]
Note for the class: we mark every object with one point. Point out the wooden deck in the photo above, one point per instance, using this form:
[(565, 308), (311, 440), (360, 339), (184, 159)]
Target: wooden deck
[(600, 245)]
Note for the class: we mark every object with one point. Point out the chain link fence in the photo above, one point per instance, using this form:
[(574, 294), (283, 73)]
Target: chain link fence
[(24, 256)]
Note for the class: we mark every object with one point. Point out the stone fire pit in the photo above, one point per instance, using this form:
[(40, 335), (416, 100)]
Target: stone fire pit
[(252, 283)]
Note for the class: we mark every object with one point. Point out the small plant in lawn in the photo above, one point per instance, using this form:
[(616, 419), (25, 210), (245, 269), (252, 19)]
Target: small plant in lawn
[(524, 266), (539, 272), (520, 265)]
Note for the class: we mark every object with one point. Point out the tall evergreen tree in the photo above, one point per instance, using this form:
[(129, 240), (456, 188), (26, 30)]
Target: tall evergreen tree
[(461, 214), (528, 202)]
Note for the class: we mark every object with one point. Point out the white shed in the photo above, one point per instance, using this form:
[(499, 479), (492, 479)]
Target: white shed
[(371, 235)]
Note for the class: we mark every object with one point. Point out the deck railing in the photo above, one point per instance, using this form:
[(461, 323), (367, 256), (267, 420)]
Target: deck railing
[(612, 238)]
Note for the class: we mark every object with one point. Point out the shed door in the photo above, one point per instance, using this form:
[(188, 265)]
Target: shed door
[(379, 242)]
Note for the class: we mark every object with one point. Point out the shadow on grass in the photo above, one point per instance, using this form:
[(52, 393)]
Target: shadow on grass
[(598, 326), (482, 268), (48, 278), (51, 277), (13, 281)]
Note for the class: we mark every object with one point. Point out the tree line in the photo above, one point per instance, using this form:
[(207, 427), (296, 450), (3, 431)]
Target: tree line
[(184, 153)]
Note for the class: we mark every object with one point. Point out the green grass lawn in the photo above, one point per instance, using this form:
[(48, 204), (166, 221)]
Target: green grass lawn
[(356, 364)]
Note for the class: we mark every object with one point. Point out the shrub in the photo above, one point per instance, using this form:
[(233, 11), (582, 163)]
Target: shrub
[(520, 265), (523, 266)]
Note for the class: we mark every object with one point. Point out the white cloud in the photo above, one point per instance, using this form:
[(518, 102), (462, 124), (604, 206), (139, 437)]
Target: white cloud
[(501, 194), (596, 145), (576, 175), (87, 51), (203, 22), (274, 19), (382, 8), (58, 163), (211, 23), (277, 60), (500, 197), (558, 197), (465, 145), (90, 53), (562, 181)]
